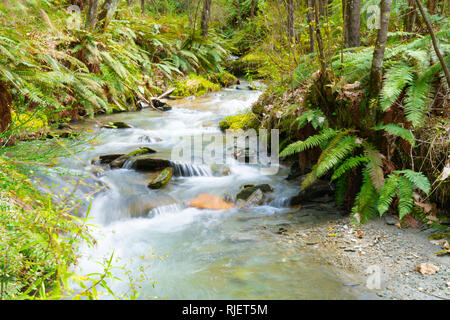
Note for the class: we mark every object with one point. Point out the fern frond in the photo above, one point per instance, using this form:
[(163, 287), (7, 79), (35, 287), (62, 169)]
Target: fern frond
[(310, 142), (416, 100), (347, 165), (418, 179), (366, 199), (374, 166), (405, 196), (396, 130), (397, 77), (387, 194)]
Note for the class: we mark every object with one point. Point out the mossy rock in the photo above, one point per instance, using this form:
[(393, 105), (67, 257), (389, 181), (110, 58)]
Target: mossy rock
[(249, 189), (194, 85), (117, 125), (224, 78), (247, 65), (161, 179), (120, 161), (240, 121)]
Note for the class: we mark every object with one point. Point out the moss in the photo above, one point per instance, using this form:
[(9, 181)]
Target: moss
[(240, 121), (224, 78), (194, 85), (248, 65)]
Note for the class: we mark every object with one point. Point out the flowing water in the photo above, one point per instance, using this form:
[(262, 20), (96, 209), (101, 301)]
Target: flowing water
[(178, 252)]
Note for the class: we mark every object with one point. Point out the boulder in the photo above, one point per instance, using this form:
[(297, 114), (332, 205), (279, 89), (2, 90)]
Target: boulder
[(147, 163), (116, 125), (107, 159), (120, 161), (249, 189), (255, 199), (161, 179), (209, 201), (317, 190)]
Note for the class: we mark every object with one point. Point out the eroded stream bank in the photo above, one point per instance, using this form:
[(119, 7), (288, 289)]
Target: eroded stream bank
[(204, 254)]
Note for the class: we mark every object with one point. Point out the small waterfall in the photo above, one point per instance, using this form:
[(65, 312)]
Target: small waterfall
[(283, 202), (164, 210), (191, 170)]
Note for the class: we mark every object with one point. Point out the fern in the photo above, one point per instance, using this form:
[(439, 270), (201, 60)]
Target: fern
[(397, 77), (416, 100), (311, 142), (418, 179), (405, 195), (387, 194), (337, 150), (365, 201), (396, 130), (374, 166), (347, 165)]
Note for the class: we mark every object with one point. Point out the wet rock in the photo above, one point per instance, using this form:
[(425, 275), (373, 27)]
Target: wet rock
[(107, 159), (120, 161), (116, 125), (319, 189), (147, 163), (209, 201), (161, 179), (249, 189), (255, 199), (390, 220)]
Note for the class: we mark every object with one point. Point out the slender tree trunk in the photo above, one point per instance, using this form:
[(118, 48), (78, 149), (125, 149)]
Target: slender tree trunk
[(376, 73), (432, 6), (323, 62), (435, 44), (290, 21), (91, 19), (5, 107), (252, 8), (238, 8), (309, 19), (205, 17), (410, 16), (108, 9), (142, 6), (352, 22)]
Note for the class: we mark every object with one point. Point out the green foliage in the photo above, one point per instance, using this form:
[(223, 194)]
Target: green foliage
[(396, 130), (311, 142), (241, 121)]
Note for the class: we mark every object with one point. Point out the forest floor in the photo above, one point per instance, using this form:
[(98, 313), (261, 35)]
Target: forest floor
[(398, 252)]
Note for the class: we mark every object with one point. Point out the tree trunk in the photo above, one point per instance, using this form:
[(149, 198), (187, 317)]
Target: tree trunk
[(290, 21), (142, 6), (205, 17), (432, 6), (91, 19), (5, 107), (252, 8), (352, 23), (376, 73), (309, 19), (323, 62), (238, 8), (109, 7), (410, 16), (435, 44)]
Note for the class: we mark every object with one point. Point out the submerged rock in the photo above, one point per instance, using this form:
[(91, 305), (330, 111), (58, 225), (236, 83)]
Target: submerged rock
[(209, 201), (120, 161), (161, 179), (249, 189), (116, 125), (107, 159)]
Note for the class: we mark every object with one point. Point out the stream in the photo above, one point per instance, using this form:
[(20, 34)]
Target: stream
[(169, 250)]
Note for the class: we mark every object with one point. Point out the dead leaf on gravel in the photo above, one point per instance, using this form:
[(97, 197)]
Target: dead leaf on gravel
[(439, 242), (359, 234), (410, 221), (427, 268), (398, 225)]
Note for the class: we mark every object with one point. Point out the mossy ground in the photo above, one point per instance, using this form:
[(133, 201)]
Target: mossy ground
[(194, 85), (241, 121)]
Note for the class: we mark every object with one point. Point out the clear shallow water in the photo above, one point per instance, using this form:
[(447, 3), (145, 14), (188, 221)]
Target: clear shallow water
[(193, 253)]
